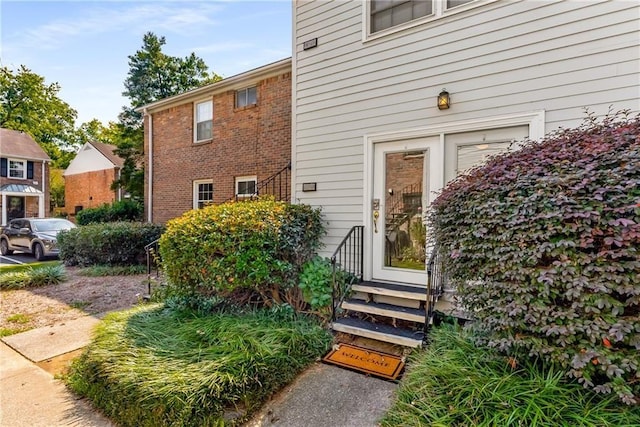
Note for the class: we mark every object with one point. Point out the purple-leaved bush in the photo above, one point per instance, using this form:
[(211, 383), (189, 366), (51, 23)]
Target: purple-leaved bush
[(543, 245)]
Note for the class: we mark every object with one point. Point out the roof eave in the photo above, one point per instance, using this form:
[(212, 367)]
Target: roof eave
[(234, 82)]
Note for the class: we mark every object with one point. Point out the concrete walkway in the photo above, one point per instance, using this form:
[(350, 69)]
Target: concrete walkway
[(323, 396), (31, 396)]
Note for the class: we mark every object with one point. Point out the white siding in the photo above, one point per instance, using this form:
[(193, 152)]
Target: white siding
[(88, 159), (500, 58)]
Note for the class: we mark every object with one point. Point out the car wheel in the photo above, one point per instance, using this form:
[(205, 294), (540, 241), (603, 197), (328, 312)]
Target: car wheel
[(4, 247), (38, 252)]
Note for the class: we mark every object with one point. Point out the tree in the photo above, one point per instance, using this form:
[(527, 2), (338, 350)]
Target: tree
[(30, 105), (152, 76)]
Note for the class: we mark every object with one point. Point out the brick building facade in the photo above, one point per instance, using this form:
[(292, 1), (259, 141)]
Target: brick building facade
[(213, 143), (24, 177), (89, 177)]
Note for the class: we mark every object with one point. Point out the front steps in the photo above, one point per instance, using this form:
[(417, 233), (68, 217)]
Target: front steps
[(387, 305)]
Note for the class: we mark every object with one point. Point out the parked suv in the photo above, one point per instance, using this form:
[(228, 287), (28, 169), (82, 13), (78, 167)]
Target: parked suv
[(33, 235)]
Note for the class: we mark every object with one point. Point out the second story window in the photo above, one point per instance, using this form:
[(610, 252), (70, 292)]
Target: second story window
[(247, 96), (386, 14), (203, 121), (17, 169)]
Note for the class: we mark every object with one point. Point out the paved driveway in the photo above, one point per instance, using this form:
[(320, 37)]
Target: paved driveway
[(17, 258)]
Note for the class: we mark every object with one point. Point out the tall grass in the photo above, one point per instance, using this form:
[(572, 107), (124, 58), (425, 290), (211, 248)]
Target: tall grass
[(47, 274), (453, 383), (159, 366)]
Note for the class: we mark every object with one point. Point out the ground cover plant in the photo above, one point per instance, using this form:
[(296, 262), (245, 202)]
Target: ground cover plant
[(175, 365), (455, 383), (113, 243), (27, 276), (112, 270), (250, 248), (543, 244)]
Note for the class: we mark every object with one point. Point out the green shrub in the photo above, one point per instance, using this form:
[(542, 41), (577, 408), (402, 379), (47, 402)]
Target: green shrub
[(254, 245), (124, 210), (47, 275), (453, 383), (543, 246), (52, 274), (160, 366), (315, 282), (115, 243)]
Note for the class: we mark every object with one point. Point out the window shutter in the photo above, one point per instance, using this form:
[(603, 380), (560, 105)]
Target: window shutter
[(29, 170), (3, 167)]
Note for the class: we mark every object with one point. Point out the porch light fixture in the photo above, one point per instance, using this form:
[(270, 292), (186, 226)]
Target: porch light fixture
[(443, 100)]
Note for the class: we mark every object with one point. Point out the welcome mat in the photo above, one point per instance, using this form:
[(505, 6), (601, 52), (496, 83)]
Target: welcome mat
[(365, 360)]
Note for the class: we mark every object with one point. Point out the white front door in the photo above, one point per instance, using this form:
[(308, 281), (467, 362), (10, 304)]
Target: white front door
[(405, 176)]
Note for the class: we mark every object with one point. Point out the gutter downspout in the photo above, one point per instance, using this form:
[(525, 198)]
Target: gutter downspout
[(43, 199), (150, 169)]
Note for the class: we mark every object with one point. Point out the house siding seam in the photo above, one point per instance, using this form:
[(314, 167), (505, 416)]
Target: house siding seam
[(497, 59), (254, 140)]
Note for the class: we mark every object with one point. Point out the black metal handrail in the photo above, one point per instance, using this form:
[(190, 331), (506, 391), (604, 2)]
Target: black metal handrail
[(347, 263), (153, 260), (435, 284), (277, 185)]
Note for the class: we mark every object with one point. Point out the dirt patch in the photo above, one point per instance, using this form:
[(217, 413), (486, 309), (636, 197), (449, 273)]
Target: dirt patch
[(77, 296)]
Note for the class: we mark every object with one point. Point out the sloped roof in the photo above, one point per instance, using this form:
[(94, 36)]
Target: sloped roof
[(21, 145), (19, 188), (107, 150)]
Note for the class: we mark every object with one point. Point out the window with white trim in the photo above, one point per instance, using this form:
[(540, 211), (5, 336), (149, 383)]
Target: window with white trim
[(384, 14), (17, 169), (246, 186), (203, 121), (202, 193), (247, 96)]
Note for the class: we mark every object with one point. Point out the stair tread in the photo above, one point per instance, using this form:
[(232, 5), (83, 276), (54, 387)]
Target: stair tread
[(384, 306), (380, 328), (392, 289)]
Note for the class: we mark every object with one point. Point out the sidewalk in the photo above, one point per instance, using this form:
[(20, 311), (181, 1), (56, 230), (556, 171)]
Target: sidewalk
[(30, 396)]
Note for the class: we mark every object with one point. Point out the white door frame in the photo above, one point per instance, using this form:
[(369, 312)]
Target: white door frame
[(431, 180), (534, 119)]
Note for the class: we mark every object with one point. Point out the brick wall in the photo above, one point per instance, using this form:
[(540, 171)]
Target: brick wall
[(89, 190), (38, 181), (255, 140), (402, 171)]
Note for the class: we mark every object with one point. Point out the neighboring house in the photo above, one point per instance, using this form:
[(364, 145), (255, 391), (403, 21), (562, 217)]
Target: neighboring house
[(24, 176), (89, 177), (218, 142), (375, 142)]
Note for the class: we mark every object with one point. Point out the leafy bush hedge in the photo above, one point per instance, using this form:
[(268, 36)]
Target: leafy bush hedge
[(543, 246), (256, 245), (161, 366), (124, 210), (114, 243)]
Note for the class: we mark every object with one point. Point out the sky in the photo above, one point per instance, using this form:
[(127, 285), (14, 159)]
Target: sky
[(84, 45)]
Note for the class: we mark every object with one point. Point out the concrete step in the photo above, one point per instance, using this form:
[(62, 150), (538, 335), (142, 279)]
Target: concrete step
[(378, 332), (392, 289), (387, 310)]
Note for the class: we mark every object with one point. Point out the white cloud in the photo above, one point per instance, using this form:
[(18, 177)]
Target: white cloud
[(178, 18)]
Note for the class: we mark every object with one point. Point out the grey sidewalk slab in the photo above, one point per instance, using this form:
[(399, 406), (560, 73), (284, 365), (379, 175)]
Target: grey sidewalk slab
[(45, 343), (31, 397), (328, 396)]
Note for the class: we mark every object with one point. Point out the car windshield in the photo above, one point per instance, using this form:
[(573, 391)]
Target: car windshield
[(51, 225)]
